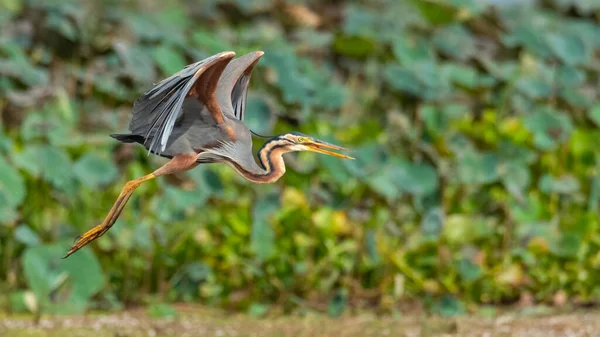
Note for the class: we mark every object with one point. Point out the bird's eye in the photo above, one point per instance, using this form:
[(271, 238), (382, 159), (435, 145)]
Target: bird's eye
[(301, 140)]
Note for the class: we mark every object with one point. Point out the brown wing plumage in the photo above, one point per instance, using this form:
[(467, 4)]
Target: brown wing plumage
[(155, 112)]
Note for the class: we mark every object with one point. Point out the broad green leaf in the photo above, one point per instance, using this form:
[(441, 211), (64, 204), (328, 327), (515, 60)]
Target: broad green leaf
[(12, 187), (51, 163), (432, 222), (549, 126), (416, 179), (369, 159), (371, 246), (17, 65), (594, 114), (462, 75), (409, 50), (43, 125), (259, 116), (455, 41), (169, 59), (423, 79), (209, 42), (25, 235), (568, 245), (437, 13), (384, 183), (529, 38), (354, 46), (138, 62), (569, 48), (62, 24), (262, 240), (337, 303), (94, 170), (72, 282), (249, 7), (448, 306), (479, 168), (162, 311), (535, 87), (566, 184), (570, 76), (468, 270), (515, 177), (258, 309)]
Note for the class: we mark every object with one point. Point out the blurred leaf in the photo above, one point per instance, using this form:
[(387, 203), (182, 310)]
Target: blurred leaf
[(516, 178), (435, 12), (422, 79), (448, 306), (370, 158), (258, 309), (384, 183), (337, 303), (568, 48), (594, 114), (262, 239), (37, 127), (259, 115), (20, 302), (529, 38), (432, 223), (49, 162), (14, 63), (161, 311), (62, 25), (417, 179), (25, 235), (468, 270), (566, 184), (168, 59), (354, 46), (568, 245), (455, 41), (409, 50), (94, 171), (480, 168), (549, 127), (62, 286), (12, 186), (138, 61), (371, 245)]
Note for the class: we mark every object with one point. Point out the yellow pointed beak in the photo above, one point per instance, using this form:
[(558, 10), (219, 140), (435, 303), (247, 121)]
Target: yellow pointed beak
[(323, 147)]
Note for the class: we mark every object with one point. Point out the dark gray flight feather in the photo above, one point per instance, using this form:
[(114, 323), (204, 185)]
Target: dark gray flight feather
[(233, 84), (155, 112)]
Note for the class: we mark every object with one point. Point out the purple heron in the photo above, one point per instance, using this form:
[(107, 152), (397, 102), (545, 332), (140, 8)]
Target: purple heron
[(196, 117)]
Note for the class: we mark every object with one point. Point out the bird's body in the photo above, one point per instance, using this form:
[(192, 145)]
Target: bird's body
[(196, 117)]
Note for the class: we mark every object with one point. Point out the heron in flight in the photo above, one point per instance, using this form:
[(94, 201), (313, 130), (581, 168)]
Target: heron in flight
[(196, 117)]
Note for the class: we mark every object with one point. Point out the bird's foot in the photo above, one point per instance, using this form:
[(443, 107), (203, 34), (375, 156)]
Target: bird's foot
[(86, 238)]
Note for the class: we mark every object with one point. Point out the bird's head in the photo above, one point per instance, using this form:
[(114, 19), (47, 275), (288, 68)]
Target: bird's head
[(301, 142)]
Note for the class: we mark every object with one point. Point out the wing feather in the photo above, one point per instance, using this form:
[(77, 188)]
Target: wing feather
[(233, 84), (155, 112)]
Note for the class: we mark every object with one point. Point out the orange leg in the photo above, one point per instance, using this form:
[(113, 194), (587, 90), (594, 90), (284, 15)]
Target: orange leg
[(179, 163)]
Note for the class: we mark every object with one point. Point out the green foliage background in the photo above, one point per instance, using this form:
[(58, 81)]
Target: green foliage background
[(475, 129)]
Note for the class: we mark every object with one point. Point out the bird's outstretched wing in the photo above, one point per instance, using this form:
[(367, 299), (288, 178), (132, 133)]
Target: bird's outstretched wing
[(155, 112), (233, 84)]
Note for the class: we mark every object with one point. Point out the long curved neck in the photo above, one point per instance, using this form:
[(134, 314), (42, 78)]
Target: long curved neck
[(270, 158)]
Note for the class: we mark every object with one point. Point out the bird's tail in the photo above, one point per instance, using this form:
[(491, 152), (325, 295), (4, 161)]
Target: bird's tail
[(128, 138)]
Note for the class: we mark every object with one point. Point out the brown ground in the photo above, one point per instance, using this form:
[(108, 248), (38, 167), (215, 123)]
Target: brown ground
[(205, 322)]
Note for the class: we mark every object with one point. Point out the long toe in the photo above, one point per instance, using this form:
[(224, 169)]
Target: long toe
[(86, 238)]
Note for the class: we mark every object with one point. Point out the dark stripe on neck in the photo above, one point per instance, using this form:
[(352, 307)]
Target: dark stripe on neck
[(268, 166)]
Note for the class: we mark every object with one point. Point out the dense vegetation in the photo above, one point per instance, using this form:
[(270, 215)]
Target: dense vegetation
[(475, 130)]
